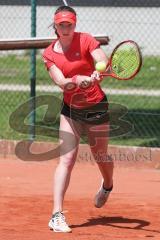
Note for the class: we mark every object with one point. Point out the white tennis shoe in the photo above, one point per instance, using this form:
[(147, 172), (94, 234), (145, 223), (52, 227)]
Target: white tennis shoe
[(58, 223), (102, 196)]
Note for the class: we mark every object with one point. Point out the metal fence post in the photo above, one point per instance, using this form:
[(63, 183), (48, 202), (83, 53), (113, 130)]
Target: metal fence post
[(33, 72)]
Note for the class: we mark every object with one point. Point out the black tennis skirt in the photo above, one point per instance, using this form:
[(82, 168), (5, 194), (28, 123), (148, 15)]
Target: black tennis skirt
[(96, 114)]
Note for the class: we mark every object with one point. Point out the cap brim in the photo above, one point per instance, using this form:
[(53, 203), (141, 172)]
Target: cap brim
[(65, 20)]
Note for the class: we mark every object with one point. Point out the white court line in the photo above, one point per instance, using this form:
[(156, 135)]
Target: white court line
[(50, 89)]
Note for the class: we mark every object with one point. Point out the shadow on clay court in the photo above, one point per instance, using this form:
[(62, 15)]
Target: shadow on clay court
[(114, 221)]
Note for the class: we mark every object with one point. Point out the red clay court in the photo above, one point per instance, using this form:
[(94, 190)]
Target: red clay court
[(132, 212)]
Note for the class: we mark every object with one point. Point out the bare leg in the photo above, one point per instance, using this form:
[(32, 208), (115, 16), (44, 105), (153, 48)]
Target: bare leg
[(66, 163), (98, 139)]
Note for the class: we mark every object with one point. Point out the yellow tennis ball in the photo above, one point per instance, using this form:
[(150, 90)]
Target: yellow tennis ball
[(100, 66)]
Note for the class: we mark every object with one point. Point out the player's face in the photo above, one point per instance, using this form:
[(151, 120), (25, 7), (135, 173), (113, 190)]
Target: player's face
[(65, 29)]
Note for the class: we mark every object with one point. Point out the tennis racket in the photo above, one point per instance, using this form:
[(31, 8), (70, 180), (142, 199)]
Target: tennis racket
[(124, 64), (125, 61)]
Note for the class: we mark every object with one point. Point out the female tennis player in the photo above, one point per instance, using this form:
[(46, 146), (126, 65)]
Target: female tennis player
[(70, 59)]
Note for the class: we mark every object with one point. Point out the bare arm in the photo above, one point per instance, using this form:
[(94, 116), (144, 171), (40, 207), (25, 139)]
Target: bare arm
[(99, 55), (60, 80), (58, 77)]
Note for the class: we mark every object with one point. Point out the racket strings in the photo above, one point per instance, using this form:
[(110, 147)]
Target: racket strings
[(125, 60)]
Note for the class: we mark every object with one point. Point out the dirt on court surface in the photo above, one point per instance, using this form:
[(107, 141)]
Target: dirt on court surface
[(132, 212)]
